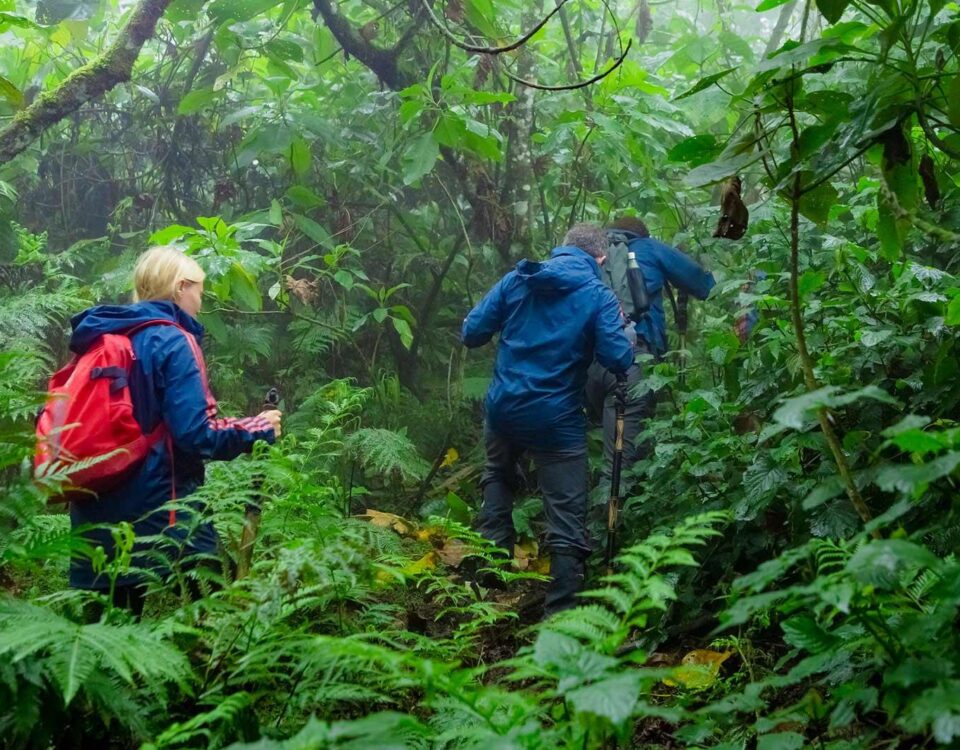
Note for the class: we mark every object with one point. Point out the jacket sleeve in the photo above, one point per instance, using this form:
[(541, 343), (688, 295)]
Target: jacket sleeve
[(184, 410), (612, 348), (684, 272), (485, 319)]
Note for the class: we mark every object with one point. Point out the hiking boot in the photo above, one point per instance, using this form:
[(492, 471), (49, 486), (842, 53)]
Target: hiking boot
[(566, 574)]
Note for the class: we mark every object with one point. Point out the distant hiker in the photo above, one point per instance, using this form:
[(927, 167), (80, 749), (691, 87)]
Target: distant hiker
[(170, 394), (659, 264), (554, 317)]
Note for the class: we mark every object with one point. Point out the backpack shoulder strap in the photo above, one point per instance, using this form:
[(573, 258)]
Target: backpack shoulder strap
[(132, 331)]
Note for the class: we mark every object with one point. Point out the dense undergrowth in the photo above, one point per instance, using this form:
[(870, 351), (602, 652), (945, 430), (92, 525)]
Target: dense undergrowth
[(788, 576)]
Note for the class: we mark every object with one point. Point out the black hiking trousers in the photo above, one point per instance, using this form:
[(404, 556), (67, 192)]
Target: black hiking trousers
[(562, 475), (602, 407)]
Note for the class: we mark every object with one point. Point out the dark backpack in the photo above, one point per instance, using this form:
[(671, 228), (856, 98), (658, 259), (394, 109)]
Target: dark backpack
[(622, 274)]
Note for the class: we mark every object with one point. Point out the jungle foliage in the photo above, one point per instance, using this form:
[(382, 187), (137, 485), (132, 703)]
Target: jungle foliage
[(353, 177)]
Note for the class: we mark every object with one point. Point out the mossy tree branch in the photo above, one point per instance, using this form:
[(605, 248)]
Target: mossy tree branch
[(92, 80)]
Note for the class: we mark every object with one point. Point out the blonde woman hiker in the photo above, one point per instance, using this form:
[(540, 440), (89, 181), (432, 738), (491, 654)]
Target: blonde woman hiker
[(177, 415)]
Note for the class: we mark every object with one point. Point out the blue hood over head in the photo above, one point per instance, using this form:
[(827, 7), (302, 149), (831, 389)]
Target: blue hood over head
[(553, 318), (569, 268), (97, 321)]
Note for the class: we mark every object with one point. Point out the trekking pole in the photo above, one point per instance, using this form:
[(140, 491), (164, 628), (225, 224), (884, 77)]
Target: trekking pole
[(251, 521), (613, 504)]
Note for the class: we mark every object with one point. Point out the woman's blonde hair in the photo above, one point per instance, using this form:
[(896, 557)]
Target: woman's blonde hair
[(160, 270)]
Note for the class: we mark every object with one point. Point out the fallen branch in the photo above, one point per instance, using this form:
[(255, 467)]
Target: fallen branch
[(84, 84)]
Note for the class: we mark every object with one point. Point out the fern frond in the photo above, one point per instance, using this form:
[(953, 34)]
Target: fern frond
[(389, 453)]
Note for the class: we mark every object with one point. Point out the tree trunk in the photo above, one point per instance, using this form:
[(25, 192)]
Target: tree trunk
[(84, 84)]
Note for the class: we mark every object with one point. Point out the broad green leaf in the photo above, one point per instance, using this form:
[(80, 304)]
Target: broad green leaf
[(781, 741), (804, 632), (11, 19), (953, 101), (911, 479), (284, 49), (11, 93), (300, 157), (304, 197), (243, 288), (613, 698), (481, 14), (698, 149), (832, 10), (704, 83), (815, 53), (183, 10), (239, 10), (402, 327), (823, 492), (953, 311), (880, 562), (554, 649), (813, 137), (458, 510), (770, 5), (345, 279), (888, 232), (450, 130), (312, 229), (918, 441), (196, 100), (795, 412), (168, 234), (719, 170), (810, 281), (872, 337), (419, 158), (276, 213), (815, 204)]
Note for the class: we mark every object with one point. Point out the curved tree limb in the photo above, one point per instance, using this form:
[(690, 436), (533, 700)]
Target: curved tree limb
[(442, 28), (580, 84), (84, 84), (383, 62)]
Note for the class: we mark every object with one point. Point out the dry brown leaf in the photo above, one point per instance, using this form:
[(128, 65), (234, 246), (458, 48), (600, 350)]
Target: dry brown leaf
[(304, 290), (452, 552), (387, 521)]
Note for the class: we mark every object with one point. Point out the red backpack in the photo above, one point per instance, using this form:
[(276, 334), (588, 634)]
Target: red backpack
[(87, 429)]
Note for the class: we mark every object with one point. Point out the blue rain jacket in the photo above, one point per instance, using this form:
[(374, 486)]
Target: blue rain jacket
[(553, 318), (660, 263), (167, 384)]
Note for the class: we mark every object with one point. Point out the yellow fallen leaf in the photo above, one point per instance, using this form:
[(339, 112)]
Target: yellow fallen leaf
[(432, 534), (387, 521), (698, 669), (450, 458), (425, 563), (541, 565), (525, 553)]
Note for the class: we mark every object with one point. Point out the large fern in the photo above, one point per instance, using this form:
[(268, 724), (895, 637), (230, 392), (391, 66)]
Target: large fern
[(389, 453)]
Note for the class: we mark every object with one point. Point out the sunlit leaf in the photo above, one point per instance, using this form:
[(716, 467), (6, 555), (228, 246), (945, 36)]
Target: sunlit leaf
[(387, 521), (698, 669)]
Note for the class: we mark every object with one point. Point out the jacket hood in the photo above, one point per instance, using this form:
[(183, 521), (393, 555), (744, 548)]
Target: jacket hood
[(569, 268), (95, 322)]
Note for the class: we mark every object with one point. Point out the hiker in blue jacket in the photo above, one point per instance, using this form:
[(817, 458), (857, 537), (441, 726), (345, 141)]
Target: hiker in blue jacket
[(660, 264), (168, 385), (553, 317)]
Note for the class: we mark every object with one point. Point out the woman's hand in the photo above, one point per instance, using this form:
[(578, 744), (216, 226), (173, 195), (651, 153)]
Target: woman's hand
[(273, 416)]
